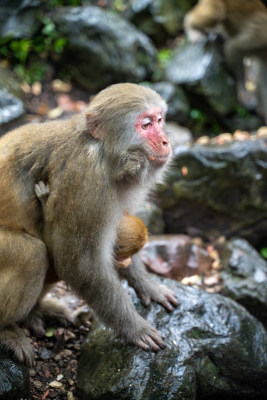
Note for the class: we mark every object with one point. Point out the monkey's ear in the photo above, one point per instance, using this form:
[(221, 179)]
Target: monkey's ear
[(93, 125)]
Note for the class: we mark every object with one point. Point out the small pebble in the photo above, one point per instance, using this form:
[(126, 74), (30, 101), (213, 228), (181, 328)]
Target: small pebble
[(55, 384)]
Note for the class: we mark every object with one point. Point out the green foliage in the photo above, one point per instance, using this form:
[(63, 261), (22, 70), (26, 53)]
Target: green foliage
[(164, 55), (119, 5), (263, 252), (241, 111), (50, 4), (20, 51), (203, 121)]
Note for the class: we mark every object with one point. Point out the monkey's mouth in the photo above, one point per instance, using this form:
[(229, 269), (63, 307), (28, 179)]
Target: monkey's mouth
[(160, 160)]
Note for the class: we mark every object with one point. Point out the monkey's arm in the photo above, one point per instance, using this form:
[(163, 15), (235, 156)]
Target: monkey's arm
[(99, 285), (145, 287), (129, 165), (203, 17)]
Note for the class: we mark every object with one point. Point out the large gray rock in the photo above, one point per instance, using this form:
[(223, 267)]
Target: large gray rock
[(158, 18), (14, 379), (20, 18), (201, 69), (244, 276), (102, 48), (178, 105), (11, 97), (151, 215), (215, 349), (214, 190)]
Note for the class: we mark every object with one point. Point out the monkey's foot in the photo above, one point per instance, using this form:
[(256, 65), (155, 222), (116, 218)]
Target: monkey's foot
[(47, 309), (14, 339), (58, 310), (153, 340), (82, 316), (247, 98), (35, 323), (142, 334)]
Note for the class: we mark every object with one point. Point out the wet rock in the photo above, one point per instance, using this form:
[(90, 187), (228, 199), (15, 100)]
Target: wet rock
[(215, 349), (201, 70), (215, 190), (14, 379), (151, 215), (11, 97), (20, 18), (102, 48), (175, 256), (244, 276), (178, 105), (158, 19), (178, 134)]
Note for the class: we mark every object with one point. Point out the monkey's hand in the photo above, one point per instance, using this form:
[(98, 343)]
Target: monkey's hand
[(42, 191), (130, 165), (146, 288), (159, 293)]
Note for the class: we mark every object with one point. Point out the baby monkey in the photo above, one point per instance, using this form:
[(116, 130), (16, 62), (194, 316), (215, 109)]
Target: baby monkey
[(132, 232)]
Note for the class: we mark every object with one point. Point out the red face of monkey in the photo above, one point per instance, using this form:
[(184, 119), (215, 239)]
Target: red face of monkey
[(150, 127)]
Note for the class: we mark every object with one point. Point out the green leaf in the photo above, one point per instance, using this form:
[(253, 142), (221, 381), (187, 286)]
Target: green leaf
[(50, 332), (263, 252)]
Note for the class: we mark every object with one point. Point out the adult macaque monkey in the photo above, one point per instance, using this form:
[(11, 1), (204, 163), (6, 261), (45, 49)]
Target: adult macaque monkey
[(131, 236), (243, 24), (98, 165)]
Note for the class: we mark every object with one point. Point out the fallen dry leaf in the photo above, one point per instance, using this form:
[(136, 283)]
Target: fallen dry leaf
[(184, 171), (59, 86), (203, 140), (37, 88)]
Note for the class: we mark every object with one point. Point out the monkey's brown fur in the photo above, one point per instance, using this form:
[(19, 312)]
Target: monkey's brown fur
[(97, 165), (131, 237), (243, 24)]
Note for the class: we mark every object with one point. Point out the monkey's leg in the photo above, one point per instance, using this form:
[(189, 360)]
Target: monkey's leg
[(261, 87), (250, 42), (98, 284), (49, 308), (23, 265), (145, 287)]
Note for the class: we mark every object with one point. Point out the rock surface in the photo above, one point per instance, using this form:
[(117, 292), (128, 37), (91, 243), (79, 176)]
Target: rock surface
[(14, 379), (200, 68), (214, 190), (244, 277), (19, 18), (158, 18), (151, 215), (11, 97), (178, 105), (215, 349), (175, 256), (102, 48)]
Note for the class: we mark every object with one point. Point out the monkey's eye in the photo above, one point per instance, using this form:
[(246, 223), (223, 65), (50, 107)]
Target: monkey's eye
[(160, 119), (146, 126), (146, 123)]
